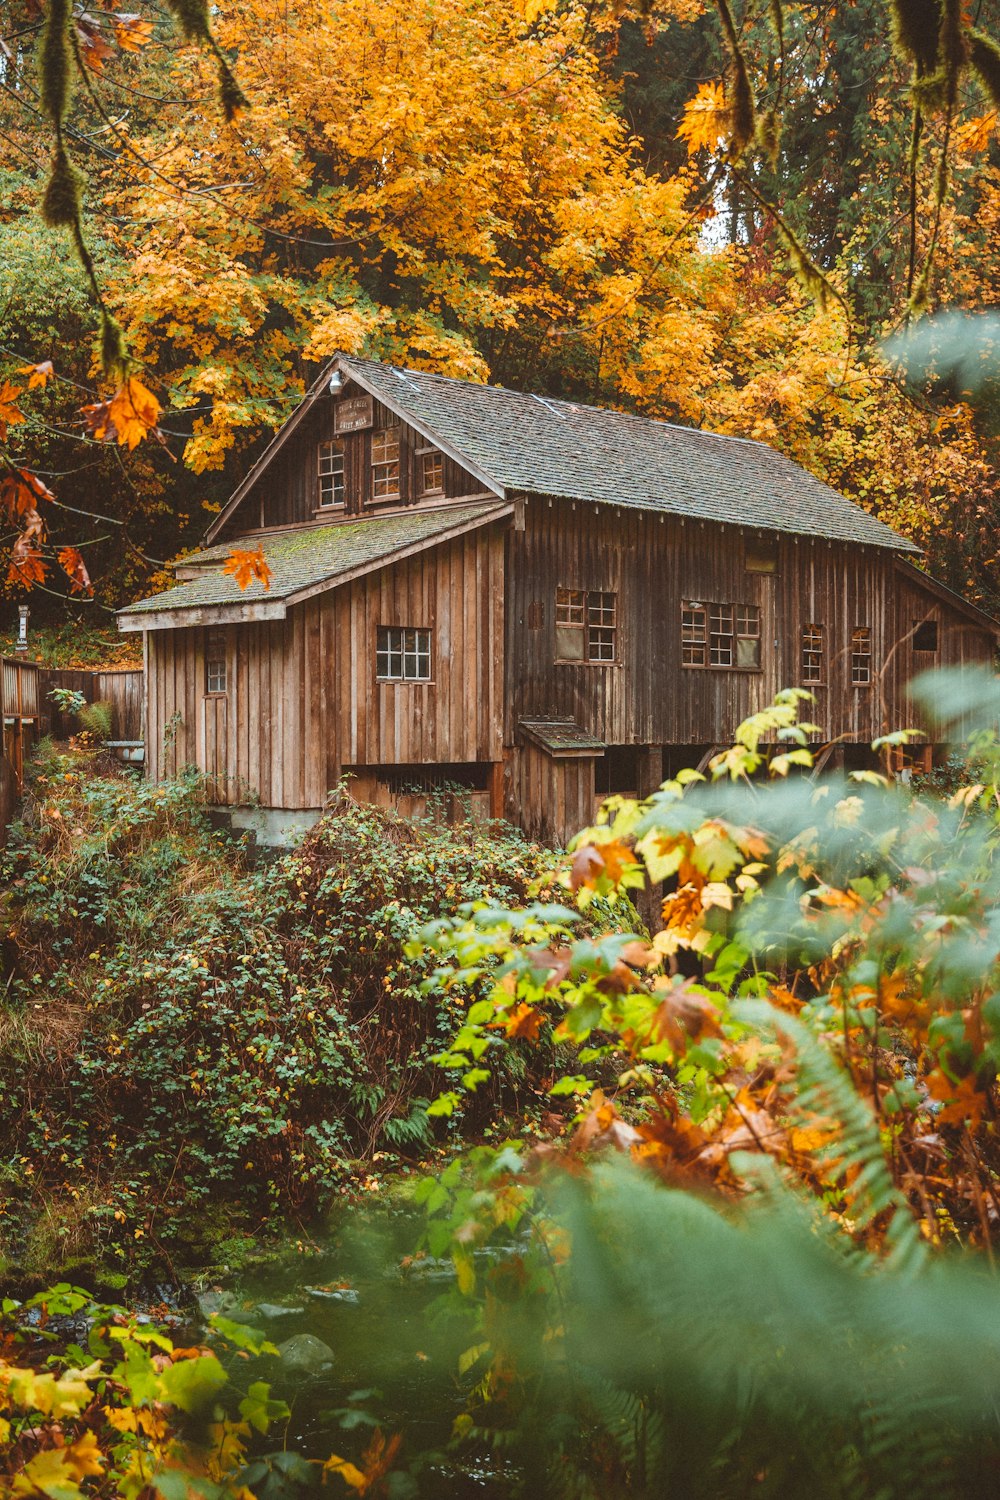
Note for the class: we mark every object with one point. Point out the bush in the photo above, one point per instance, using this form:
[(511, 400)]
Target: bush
[(182, 1031)]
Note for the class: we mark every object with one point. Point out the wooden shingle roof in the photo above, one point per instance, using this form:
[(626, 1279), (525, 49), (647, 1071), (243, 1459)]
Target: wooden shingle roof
[(303, 561), (527, 444)]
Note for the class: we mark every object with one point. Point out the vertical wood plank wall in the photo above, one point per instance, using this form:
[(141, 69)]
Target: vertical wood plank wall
[(288, 494), (647, 697), (302, 702)]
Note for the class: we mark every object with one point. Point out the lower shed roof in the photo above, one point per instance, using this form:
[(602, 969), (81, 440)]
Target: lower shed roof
[(303, 561)]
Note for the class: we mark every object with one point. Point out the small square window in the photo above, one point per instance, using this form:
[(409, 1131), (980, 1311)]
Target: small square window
[(385, 464), (586, 623), (925, 635), (403, 654), (215, 660), (330, 470)]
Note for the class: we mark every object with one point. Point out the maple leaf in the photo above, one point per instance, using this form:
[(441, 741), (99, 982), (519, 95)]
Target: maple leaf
[(9, 413), (963, 1102), (134, 413), (26, 565), (248, 567), (94, 48), (706, 119), (131, 31), (524, 1021), (594, 860), (974, 136), (75, 569), (38, 375)]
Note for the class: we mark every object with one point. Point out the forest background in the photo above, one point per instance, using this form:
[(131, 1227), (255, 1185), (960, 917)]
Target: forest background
[(707, 216)]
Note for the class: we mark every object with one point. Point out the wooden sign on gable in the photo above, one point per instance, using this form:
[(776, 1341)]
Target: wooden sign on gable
[(353, 414)]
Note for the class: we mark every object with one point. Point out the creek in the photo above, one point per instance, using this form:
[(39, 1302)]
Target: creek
[(355, 1313)]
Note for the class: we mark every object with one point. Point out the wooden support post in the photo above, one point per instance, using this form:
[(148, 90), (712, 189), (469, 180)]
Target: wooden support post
[(496, 789)]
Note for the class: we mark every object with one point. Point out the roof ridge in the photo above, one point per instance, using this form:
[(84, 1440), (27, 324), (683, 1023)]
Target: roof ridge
[(404, 371)]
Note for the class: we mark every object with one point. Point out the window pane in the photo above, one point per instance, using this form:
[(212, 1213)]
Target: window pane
[(570, 605), (812, 654), (215, 660), (569, 643), (330, 466), (861, 656), (694, 635), (402, 654), (385, 464), (431, 473), (747, 652)]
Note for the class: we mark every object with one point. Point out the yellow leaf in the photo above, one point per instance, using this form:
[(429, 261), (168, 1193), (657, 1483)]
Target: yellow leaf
[(84, 1457), (348, 1472), (706, 119), (974, 136)]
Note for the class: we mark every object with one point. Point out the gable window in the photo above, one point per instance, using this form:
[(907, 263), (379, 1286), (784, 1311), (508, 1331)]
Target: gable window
[(861, 656), (925, 635), (215, 660), (586, 625), (385, 464), (330, 476), (812, 654), (403, 654), (430, 471), (720, 635)]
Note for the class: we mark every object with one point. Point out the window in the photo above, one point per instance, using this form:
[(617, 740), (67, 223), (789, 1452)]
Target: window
[(585, 625), (761, 556), (331, 474), (385, 464), (694, 635), (812, 654), (861, 656), (925, 635), (720, 635), (215, 660), (430, 471), (402, 654)]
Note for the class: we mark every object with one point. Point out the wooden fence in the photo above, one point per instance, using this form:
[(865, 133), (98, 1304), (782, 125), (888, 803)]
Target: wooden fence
[(28, 711)]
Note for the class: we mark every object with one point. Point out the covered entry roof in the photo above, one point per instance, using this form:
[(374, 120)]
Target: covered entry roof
[(303, 561)]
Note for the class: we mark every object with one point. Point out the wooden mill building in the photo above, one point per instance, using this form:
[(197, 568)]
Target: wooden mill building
[(534, 600)]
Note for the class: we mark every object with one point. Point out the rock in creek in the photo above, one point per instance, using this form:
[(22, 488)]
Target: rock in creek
[(305, 1354)]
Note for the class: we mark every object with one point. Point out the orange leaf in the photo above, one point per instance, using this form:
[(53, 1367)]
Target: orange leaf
[(248, 567), (131, 31), (75, 569), (964, 1104), (523, 1021), (38, 374), (9, 413)]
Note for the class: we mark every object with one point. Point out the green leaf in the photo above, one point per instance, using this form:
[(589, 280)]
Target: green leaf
[(259, 1410), (242, 1336), (193, 1383)]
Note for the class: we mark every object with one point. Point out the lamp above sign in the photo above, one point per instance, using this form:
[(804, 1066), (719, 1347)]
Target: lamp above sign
[(353, 415)]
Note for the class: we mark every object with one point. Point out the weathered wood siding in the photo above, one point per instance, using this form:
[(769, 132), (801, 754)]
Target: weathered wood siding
[(961, 643), (646, 696), (302, 702), (287, 494), (549, 798)]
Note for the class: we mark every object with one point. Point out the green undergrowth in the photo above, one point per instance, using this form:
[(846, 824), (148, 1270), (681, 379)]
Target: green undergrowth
[(193, 1046)]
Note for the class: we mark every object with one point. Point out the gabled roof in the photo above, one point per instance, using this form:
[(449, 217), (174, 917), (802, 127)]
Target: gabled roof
[(948, 596), (303, 561), (518, 444)]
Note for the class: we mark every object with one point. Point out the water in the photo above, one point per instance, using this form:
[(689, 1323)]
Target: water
[(380, 1314)]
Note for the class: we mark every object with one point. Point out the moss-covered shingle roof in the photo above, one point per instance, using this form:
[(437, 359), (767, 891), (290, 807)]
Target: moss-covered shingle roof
[(308, 557)]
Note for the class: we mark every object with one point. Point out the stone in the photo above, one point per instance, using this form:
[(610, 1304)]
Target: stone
[(271, 1310), (305, 1354)]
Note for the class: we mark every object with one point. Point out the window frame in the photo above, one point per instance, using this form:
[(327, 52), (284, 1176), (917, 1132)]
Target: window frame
[(714, 633), (812, 655), (591, 616), (861, 656), (383, 437), (421, 455), (401, 646), (220, 648), (336, 448)]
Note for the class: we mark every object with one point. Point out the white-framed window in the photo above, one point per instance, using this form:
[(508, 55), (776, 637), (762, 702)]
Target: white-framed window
[(385, 464), (330, 474), (215, 659), (403, 654), (861, 656), (812, 654), (715, 634), (430, 471), (586, 622)]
